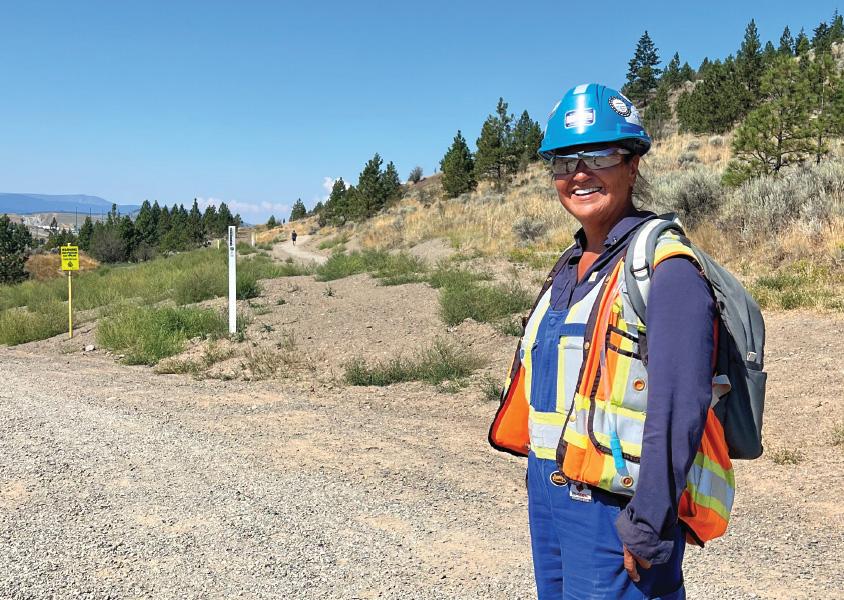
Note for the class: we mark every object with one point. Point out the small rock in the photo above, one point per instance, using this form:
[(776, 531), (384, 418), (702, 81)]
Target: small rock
[(90, 348)]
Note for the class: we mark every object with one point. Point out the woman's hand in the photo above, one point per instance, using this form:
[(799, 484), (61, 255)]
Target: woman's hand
[(630, 561)]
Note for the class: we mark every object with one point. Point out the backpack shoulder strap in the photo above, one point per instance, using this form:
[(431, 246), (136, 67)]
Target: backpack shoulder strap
[(639, 259)]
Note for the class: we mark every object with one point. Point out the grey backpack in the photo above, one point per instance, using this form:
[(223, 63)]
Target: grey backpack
[(739, 382)]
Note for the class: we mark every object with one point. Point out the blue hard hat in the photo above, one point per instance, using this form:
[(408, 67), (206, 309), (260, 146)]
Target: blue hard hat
[(592, 113)]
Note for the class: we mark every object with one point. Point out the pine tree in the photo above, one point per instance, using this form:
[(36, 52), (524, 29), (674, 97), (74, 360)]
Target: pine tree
[(657, 114), (271, 222), (15, 242), (210, 221), (778, 132), (768, 55), (163, 224), (145, 226), (687, 73), (786, 46), (196, 231), (298, 211), (225, 218), (749, 65), (642, 74), (127, 236), (370, 188), (716, 102), (458, 168), (822, 41), (527, 137), (836, 28), (336, 210), (54, 225), (390, 184), (826, 90), (85, 233), (802, 44), (671, 76), (495, 158)]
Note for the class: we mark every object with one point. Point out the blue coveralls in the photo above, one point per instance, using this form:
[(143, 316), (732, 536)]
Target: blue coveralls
[(577, 536)]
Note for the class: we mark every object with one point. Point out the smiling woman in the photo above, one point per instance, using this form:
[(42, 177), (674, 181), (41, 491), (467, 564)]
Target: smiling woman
[(610, 413)]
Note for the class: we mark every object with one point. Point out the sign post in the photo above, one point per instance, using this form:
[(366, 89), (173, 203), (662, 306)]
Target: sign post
[(70, 262), (232, 279)]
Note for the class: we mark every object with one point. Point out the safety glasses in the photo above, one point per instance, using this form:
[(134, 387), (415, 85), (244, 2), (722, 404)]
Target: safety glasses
[(593, 159)]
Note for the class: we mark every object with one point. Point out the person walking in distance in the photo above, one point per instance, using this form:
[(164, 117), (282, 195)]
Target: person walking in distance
[(293, 237), (613, 496)]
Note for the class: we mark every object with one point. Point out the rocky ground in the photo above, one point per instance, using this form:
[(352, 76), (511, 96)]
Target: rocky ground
[(118, 482)]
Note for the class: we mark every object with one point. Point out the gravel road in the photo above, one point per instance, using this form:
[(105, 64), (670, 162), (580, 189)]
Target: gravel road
[(119, 483)]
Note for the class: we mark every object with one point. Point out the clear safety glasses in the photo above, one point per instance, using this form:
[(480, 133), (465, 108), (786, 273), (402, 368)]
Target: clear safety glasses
[(593, 159)]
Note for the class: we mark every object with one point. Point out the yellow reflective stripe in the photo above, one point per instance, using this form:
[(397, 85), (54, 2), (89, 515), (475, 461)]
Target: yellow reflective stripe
[(626, 447), (546, 418), (575, 438), (530, 336), (607, 473), (671, 246), (546, 453), (707, 463), (709, 502), (619, 383)]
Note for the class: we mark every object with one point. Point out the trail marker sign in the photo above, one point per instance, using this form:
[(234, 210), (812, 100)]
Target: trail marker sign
[(70, 258)]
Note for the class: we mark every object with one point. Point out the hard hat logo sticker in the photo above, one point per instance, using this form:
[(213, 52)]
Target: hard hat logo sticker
[(581, 117), (620, 106)]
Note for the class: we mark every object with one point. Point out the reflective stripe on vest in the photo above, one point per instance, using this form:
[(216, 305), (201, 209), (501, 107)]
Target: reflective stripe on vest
[(552, 356)]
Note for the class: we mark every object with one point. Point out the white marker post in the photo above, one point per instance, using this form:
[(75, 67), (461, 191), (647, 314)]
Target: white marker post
[(232, 278)]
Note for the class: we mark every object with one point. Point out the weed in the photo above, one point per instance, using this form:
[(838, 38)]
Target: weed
[(785, 456), (440, 362), (267, 328), (483, 303), (451, 387), (19, 325), (328, 292), (490, 388), (510, 326), (261, 363), (529, 228), (838, 434), (280, 302), (175, 366), (146, 335)]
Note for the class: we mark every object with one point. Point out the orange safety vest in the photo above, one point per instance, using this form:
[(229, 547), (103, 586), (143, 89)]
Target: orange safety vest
[(595, 431)]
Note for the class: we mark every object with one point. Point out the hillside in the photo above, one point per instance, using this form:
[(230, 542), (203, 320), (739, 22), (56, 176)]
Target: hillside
[(24, 204)]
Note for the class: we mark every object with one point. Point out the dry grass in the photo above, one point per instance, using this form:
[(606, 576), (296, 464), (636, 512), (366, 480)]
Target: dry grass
[(42, 267)]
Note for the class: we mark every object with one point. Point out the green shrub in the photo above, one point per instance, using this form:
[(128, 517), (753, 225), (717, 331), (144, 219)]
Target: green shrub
[(695, 194), (483, 303), (785, 456), (18, 325), (391, 269), (440, 362), (146, 335), (490, 388)]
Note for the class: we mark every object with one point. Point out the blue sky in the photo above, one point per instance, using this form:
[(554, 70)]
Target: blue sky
[(259, 103)]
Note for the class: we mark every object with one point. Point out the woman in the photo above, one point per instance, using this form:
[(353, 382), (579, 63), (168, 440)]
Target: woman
[(610, 413)]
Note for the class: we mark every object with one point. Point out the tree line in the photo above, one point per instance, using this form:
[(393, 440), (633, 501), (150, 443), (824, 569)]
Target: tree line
[(785, 101)]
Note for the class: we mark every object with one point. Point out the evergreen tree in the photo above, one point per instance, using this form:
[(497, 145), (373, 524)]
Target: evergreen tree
[(768, 55), (495, 158), (211, 221), (370, 188), (390, 184), (786, 46), (778, 132), (671, 76), (705, 64), (15, 242), (749, 65), (271, 222), (687, 73), (657, 114), (145, 225), (54, 225), (836, 28), (458, 168), (163, 224), (821, 41), (336, 210), (224, 219), (716, 102), (298, 211), (196, 231), (642, 74), (527, 137), (826, 90), (802, 44), (128, 237), (85, 233)]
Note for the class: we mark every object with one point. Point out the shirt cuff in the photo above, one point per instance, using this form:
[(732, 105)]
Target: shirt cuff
[(643, 541)]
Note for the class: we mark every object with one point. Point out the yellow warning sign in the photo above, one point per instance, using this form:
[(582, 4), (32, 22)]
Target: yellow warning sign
[(70, 258)]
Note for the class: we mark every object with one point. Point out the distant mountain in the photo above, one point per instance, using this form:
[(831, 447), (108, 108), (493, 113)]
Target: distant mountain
[(23, 204)]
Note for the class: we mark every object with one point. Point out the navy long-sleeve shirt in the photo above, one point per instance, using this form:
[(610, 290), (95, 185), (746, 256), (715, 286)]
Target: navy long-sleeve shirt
[(679, 318)]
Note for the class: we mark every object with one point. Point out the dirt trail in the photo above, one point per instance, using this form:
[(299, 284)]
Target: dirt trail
[(119, 482), (286, 249)]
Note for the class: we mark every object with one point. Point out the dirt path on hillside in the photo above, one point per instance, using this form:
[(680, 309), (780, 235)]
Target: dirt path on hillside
[(117, 482), (286, 249)]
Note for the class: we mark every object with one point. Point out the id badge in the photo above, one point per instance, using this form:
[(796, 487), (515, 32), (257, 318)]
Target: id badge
[(580, 492)]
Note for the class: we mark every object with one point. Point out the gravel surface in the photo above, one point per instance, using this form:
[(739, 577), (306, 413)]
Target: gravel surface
[(116, 482)]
